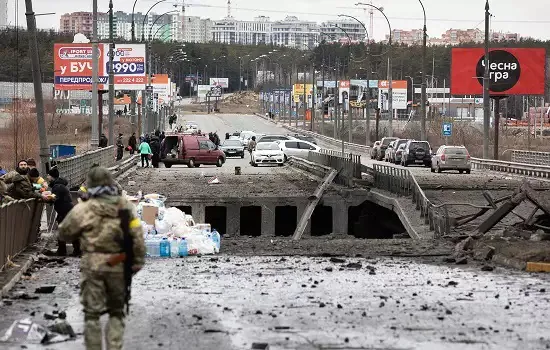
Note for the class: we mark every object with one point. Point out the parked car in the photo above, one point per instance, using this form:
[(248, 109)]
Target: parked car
[(389, 151), (297, 148), (374, 149), (417, 152), (309, 139), (191, 150), (451, 158), (273, 138), (384, 143), (399, 152), (232, 148), (267, 153), (396, 144)]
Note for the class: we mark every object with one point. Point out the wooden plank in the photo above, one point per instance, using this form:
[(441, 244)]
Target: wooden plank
[(314, 200)]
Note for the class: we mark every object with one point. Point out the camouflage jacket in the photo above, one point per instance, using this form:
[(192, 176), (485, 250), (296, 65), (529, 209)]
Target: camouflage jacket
[(19, 186), (96, 223), (4, 199)]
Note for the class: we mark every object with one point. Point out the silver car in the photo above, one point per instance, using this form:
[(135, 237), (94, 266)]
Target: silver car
[(451, 158)]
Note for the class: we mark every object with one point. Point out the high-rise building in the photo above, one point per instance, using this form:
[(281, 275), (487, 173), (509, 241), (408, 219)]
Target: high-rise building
[(76, 22), (339, 31), (196, 29), (408, 37), (3, 14), (231, 31), (295, 33)]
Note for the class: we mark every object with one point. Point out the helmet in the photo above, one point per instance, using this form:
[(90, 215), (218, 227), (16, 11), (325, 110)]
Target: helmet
[(99, 176)]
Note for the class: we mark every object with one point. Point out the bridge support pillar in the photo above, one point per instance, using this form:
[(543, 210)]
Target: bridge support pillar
[(268, 220), (233, 220), (340, 218)]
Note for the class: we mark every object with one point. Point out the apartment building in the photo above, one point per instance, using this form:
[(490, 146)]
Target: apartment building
[(196, 29), (76, 22), (3, 14), (292, 32), (340, 30), (231, 31), (408, 37)]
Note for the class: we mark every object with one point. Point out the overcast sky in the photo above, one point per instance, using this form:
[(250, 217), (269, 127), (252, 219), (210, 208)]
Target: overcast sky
[(527, 17)]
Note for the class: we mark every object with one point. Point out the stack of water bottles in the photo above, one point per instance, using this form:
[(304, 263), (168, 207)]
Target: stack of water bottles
[(199, 241)]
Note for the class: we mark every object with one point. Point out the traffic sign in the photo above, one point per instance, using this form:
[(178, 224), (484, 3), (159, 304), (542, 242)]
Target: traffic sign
[(216, 91), (447, 129)]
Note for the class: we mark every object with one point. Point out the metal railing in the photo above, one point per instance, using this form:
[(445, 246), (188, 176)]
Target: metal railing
[(541, 171), (74, 169), (330, 140), (19, 227), (401, 182), (348, 165)]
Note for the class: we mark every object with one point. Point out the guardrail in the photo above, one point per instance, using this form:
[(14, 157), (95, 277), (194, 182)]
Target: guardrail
[(401, 182), (19, 227), (74, 169), (530, 157), (348, 165), (542, 171), (354, 147)]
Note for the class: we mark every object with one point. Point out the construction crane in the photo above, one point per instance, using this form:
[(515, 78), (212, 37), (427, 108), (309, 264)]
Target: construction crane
[(228, 8)]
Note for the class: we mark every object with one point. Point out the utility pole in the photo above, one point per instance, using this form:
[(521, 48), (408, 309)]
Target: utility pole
[(94, 143), (486, 96), (424, 135), (111, 76), (37, 79), (313, 92)]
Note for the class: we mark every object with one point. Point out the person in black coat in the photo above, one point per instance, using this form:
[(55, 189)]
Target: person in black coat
[(155, 149), (63, 205)]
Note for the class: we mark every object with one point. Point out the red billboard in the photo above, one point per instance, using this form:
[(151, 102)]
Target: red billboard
[(512, 71)]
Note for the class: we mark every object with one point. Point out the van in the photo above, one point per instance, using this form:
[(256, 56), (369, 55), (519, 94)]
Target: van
[(191, 150)]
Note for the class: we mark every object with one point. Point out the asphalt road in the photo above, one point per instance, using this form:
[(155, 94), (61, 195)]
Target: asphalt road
[(230, 302)]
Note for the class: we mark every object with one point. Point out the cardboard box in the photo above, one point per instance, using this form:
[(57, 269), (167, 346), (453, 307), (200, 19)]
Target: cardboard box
[(149, 213)]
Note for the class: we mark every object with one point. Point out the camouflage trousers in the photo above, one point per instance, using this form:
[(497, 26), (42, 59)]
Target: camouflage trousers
[(103, 292)]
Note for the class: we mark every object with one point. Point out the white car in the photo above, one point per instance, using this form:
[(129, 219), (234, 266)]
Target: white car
[(297, 148), (246, 136), (267, 153)]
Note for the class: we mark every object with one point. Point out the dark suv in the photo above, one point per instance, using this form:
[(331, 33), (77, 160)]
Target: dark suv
[(418, 153)]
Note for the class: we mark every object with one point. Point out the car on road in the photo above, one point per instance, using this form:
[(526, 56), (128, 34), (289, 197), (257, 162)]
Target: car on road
[(309, 139), (399, 153), (451, 158), (267, 153), (374, 149), (384, 143), (245, 137), (273, 138), (232, 148), (391, 154), (418, 153), (191, 150), (297, 148)]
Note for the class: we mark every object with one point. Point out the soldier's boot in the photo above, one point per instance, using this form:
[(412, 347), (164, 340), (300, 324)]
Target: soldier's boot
[(76, 248), (92, 331), (115, 330), (61, 248)]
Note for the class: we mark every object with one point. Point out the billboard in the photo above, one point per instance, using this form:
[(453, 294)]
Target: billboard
[(364, 83), (343, 91), (512, 71), (161, 87), (399, 94), (223, 82), (129, 66), (203, 90), (73, 66)]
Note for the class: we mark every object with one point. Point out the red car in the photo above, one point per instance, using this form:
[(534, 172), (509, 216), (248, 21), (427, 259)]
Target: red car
[(191, 150)]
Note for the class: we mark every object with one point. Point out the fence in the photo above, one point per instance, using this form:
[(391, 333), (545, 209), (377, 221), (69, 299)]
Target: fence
[(541, 171), (348, 165), (529, 157), (74, 169), (19, 227), (401, 182)]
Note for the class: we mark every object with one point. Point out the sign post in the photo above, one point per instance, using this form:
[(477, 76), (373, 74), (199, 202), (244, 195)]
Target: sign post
[(447, 130)]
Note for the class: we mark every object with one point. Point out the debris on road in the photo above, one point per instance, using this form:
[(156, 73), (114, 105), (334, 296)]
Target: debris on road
[(45, 290), (30, 332)]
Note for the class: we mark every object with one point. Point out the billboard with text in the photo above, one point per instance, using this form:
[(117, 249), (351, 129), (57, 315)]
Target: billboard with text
[(223, 82), (512, 71), (73, 66)]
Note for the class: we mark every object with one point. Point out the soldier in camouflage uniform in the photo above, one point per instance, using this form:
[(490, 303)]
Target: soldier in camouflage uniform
[(96, 223), (4, 198)]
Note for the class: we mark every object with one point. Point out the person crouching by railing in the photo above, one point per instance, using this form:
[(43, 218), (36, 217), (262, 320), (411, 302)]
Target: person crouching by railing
[(19, 183), (39, 180), (62, 205)]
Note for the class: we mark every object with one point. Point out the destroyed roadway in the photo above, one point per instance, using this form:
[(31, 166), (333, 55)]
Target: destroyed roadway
[(229, 302)]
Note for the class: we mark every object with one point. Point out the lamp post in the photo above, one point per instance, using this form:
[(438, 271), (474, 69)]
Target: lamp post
[(423, 134), (390, 80), (412, 84), (94, 142), (145, 18), (241, 71), (367, 108), (486, 96)]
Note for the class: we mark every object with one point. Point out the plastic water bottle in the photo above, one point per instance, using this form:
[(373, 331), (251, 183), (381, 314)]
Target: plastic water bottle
[(217, 239), (165, 248), (174, 248), (182, 248)]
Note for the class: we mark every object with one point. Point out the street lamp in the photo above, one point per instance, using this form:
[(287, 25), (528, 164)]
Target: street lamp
[(155, 21), (390, 80), (145, 18), (412, 84), (216, 60), (423, 135), (240, 71)]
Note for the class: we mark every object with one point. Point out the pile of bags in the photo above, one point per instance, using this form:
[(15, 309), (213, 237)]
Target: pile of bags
[(170, 226)]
